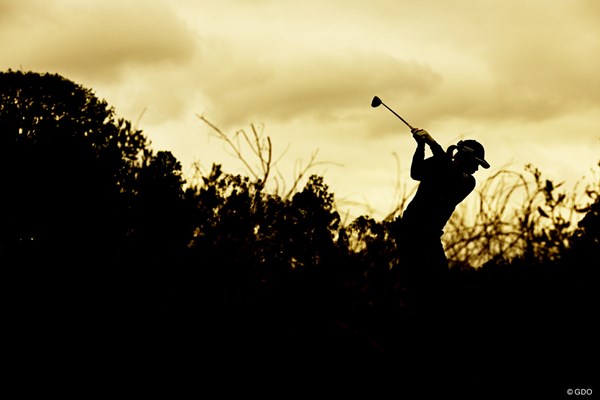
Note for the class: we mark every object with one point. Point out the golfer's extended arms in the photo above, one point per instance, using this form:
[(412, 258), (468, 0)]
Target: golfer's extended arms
[(417, 168)]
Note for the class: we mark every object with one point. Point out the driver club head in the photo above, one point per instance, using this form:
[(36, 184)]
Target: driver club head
[(376, 102)]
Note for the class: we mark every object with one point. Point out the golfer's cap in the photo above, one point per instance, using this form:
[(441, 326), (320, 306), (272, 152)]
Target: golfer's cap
[(475, 149)]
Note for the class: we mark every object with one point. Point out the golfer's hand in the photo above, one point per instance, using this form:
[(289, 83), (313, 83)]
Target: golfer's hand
[(422, 136)]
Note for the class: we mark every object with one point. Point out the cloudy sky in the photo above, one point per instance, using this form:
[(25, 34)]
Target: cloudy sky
[(519, 76)]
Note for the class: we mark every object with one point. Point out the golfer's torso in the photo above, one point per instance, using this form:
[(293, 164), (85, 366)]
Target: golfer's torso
[(436, 198)]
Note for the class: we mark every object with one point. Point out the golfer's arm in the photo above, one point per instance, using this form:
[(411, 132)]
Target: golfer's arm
[(436, 149), (418, 165)]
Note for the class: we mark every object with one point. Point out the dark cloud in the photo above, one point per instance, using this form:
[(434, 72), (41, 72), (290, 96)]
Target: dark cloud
[(321, 86), (97, 40), (11, 11)]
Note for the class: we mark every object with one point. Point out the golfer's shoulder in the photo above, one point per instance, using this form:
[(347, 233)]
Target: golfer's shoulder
[(440, 160)]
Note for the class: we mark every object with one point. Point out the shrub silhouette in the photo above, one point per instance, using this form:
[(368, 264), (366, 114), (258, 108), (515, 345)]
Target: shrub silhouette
[(585, 241), (86, 205)]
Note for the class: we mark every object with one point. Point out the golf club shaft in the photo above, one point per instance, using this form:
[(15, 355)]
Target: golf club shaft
[(402, 119)]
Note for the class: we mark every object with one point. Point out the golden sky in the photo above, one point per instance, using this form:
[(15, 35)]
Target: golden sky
[(519, 76)]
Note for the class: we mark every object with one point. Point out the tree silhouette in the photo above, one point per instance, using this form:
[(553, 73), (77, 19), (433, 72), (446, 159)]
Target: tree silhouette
[(65, 167), (88, 212)]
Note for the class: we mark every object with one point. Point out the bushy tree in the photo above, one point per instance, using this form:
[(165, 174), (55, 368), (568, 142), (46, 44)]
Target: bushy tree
[(65, 161), (88, 212), (77, 180)]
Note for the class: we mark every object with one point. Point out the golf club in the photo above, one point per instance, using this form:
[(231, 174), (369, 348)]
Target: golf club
[(377, 102)]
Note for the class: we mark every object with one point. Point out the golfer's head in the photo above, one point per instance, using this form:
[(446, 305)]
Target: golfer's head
[(470, 155)]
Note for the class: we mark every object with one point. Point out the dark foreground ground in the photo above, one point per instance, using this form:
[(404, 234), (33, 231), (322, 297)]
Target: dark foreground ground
[(532, 337)]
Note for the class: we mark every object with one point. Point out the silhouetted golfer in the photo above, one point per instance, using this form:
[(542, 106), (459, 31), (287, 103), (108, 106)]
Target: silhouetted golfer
[(446, 179)]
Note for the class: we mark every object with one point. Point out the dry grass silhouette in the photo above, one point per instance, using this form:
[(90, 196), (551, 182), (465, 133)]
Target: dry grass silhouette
[(260, 164), (516, 215)]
